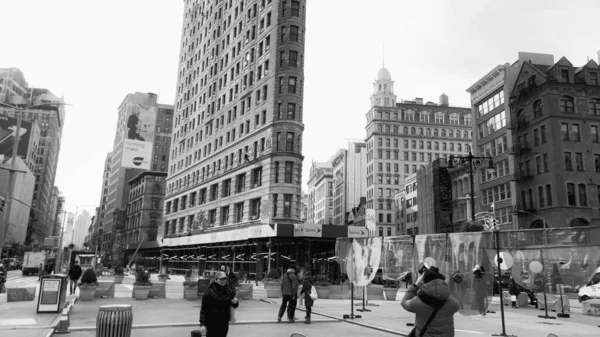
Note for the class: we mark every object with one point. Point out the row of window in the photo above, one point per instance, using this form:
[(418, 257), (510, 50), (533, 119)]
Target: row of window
[(440, 117), (427, 132)]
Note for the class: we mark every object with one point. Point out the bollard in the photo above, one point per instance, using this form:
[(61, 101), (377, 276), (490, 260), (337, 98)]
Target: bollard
[(64, 323), (114, 321)]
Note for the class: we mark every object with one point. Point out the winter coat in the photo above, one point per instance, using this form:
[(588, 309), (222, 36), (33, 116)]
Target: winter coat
[(435, 292), (75, 272), (216, 304), (306, 290), (289, 284)]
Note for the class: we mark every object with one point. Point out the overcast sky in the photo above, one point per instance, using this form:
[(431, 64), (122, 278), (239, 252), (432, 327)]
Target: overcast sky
[(95, 53)]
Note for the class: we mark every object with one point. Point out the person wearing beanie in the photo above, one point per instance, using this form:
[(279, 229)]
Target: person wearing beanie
[(428, 295), (289, 295), (215, 311)]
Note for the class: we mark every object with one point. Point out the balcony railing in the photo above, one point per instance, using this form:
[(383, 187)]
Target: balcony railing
[(522, 177), (518, 123), (520, 149)]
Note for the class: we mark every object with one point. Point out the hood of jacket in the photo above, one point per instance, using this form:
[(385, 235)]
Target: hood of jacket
[(434, 293)]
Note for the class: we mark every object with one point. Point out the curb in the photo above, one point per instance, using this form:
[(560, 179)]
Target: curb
[(196, 324)]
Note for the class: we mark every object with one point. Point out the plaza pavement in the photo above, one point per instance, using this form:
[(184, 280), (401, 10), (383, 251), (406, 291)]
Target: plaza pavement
[(177, 317)]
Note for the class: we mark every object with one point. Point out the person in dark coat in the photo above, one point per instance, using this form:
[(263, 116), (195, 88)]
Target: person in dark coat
[(289, 294), (430, 292), (306, 290), (40, 271), (215, 311), (514, 290), (232, 280), (74, 275)]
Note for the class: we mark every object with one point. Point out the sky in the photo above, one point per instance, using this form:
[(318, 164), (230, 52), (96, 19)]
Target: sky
[(95, 53)]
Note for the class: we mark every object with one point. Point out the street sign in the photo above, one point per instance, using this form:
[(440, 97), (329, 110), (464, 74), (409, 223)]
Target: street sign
[(310, 230), (357, 232)]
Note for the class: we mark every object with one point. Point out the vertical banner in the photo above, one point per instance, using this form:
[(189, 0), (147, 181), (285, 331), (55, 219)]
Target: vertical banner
[(8, 132), (370, 221), (359, 258), (139, 136)]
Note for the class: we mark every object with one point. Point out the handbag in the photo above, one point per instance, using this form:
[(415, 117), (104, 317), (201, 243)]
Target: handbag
[(313, 293), (413, 332), (232, 315)]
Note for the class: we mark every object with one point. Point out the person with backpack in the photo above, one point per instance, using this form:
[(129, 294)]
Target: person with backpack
[(429, 298), (309, 297), (74, 275), (289, 295)]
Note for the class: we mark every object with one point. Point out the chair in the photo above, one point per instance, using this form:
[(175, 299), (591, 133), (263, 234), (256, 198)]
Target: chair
[(297, 334)]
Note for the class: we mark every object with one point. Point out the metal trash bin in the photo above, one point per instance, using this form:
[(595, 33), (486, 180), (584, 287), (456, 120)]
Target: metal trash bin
[(114, 321)]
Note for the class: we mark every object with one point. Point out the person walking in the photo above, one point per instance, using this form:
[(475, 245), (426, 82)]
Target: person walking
[(74, 275), (289, 295), (215, 311), (232, 280), (306, 290), (40, 272), (429, 298)]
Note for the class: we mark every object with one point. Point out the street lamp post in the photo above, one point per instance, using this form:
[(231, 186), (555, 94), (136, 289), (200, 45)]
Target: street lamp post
[(471, 163), (13, 165)]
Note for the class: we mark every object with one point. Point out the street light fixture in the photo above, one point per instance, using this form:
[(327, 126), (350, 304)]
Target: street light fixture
[(471, 163), (13, 165)]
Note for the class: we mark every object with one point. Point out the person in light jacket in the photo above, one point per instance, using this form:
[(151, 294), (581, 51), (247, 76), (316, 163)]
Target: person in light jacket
[(215, 311), (429, 292)]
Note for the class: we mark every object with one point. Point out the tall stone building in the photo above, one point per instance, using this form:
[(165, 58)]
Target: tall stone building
[(104, 238), (155, 122), (401, 137), (49, 119), (237, 157), (320, 194)]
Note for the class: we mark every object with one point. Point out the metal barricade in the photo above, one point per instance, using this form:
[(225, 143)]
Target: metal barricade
[(114, 321)]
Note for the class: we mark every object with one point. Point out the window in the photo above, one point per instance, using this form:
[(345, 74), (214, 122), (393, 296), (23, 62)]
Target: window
[(224, 215), (594, 106), (543, 133), (536, 138), (594, 132), (566, 104), (568, 163), (238, 212), (380, 231), (548, 195), (276, 171), (575, 132), (564, 74), (255, 209), (597, 162), (287, 205), (579, 161), (389, 229), (538, 165), (292, 85), (491, 103), (294, 33), (283, 33), (582, 195), (293, 60), (571, 194), (289, 142), (564, 130), (541, 196), (295, 8), (289, 169), (545, 159)]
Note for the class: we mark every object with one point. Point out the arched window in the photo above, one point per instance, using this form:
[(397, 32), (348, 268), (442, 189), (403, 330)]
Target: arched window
[(428, 132), (435, 132), (420, 131), (594, 105), (379, 128), (465, 135), (156, 188), (387, 128), (566, 104), (395, 129), (538, 108), (450, 133), (405, 130), (443, 132), (413, 131)]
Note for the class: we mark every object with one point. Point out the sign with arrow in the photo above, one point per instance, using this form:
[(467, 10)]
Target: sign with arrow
[(357, 232), (307, 229)]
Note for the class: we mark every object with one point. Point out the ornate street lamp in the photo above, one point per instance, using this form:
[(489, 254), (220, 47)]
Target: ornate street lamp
[(471, 163)]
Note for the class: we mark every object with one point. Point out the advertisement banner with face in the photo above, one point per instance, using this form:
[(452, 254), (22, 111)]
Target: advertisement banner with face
[(139, 136), (8, 129), (359, 258)]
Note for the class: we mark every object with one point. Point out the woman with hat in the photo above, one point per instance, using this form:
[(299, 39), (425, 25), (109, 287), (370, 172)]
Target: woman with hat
[(216, 307), (429, 298)]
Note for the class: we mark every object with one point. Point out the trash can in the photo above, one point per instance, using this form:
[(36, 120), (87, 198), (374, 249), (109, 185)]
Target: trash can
[(114, 321)]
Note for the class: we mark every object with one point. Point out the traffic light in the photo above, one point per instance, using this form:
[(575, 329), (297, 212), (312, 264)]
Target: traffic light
[(2, 202)]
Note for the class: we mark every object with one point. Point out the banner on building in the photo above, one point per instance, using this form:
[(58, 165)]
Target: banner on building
[(8, 132), (359, 258), (370, 221), (139, 136)]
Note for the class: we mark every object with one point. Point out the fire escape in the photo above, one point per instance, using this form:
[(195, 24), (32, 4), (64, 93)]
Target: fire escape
[(521, 151)]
